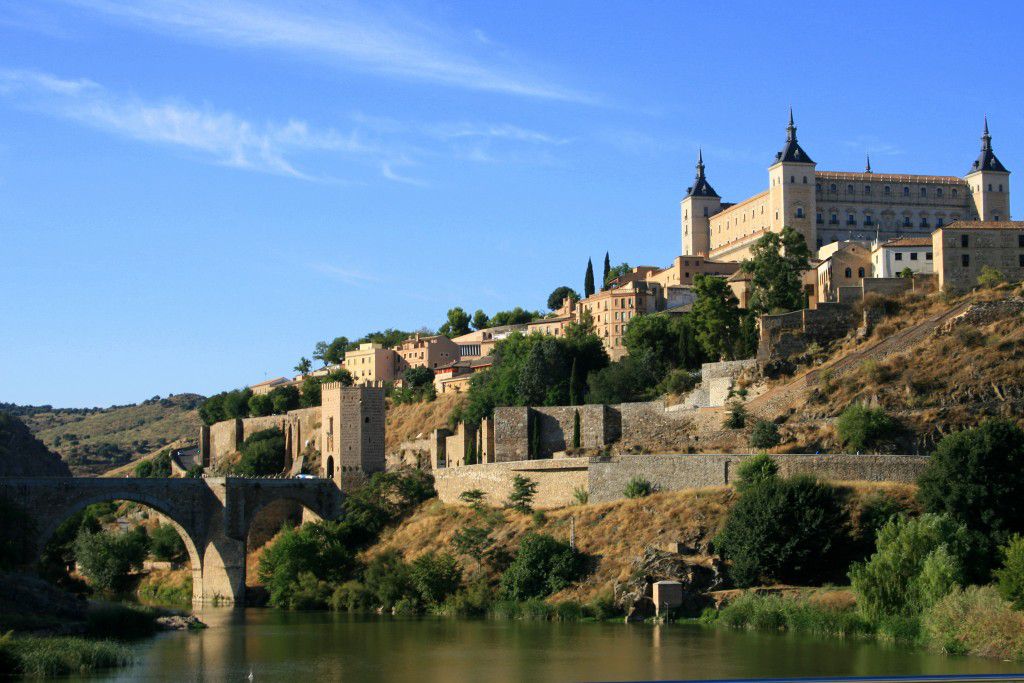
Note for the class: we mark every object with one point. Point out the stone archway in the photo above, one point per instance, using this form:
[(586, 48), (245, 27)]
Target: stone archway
[(330, 468)]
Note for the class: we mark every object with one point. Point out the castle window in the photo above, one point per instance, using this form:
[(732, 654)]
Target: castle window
[(818, 219), (906, 191), (792, 179), (964, 241), (867, 220), (850, 220), (938, 222), (913, 256), (990, 187), (834, 220), (928, 256), (860, 272), (805, 180), (849, 189), (1020, 241), (888, 189), (899, 255), (996, 217), (1000, 187), (1020, 260), (906, 221), (924, 191), (832, 187), (817, 187), (849, 272), (965, 260), (867, 189), (820, 243), (799, 212), (705, 212), (953, 192), (924, 222), (938, 192)]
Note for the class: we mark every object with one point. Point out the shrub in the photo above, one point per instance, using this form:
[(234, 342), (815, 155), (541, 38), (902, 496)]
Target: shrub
[(474, 498), (1010, 578), (974, 476), (542, 565), (990, 277), (435, 576), (107, 559), (975, 621), (773, 612), (637, 487), (737, 417), (158, 467), (917, 561), (679, 382), (262, 454), (580, 495), (350, 596), (788, 530), (752, 471), (765, 434), (321, 550), (52, 656), (523, 491), (166, 544), (860, 427)]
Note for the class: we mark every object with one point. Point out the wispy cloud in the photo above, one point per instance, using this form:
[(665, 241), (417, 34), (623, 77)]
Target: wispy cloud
[(873, 145), (503, 131), (346, 37), (347, 275)]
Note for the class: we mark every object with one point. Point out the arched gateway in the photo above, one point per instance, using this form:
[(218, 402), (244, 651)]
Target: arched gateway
[(212, 515)]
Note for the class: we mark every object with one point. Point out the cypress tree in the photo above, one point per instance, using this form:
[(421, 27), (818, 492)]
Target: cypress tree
[(607, 270), (576, 429), (588, 280), (574, 398)]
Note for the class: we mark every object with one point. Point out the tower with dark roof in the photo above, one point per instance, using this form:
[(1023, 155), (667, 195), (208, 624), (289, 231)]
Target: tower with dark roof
[(700, 203), (791, 190), (989, 182)]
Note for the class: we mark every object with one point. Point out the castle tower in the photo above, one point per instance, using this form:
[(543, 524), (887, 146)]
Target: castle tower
[(791, 191), (701, 202), (989, 182), (352, 433)]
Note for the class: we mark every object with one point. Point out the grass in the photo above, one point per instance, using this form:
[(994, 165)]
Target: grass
[(796, 614), (409, 420), (59, 656), (120, 621), (166, 588)]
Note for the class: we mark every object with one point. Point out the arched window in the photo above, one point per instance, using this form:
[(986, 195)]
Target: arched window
[(990, 187), (906, 221), (953, 192), (799, 212), (849, 272), (805, 180), (867, 189), (888, 189), (938, 191), (849, 189), (906, 191), (1000, 187), (330, 467), (832, 187), (792, 179), (924, 191), (860, 272)]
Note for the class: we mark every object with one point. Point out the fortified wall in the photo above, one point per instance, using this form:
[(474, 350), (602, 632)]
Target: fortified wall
[(604, 478), (301, 429)]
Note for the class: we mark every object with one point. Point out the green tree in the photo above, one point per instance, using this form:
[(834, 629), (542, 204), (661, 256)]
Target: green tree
[(521, 497), (737, 416), (261, 405), (107, 558), (576, 429), (765, 434), (480, 320), (517, 316), (542, 566), (974, 476), (588, 280), (614, 272), (786, 530), (262, 454), (334, 353), (166, 544), (917, 561), (157, 467), (319, 549), (556, 297), (672, 339), (1010, 577), (303, 366), (607, 269), (285, 398), (716, 317), (435, 576), (474, 498), (756, 470), (860, 427), (312, 393), (631, 379), (990, 277), (319, 351), (776, 267), (907, 273), (457, 323)]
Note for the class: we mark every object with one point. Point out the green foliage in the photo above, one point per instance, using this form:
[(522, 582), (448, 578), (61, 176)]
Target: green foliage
[(332, 353), (226, 405), (776, 266), (975, 621), (434, 576), (457, 323), (630, 379), (576, 436), (756, 470), (107, 559), (975, 477), (521, 497), (860, 427), (165, 543), (262, 454), (17, 535), (480, 320), (588, 280), (716, 318), (542, 565), (52, 656), (120, 620), (787, 530), (418, 386), (158, 467), (765, 434), (778, 613), (917, 561), (194, 472), (1010, 577), (556, 297), (473, 540), (261, 405), (907, 273), (990, 277), (737, 417), (474, 498), (638, 487), (303, 366), (671, 339), (285, 398), (615, 272), (581, 495), (517, 316)]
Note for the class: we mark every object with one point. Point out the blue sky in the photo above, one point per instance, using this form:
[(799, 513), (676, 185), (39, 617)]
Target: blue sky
[(192, 193)]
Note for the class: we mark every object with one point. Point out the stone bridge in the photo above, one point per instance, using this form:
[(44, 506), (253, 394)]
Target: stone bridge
[(212, 515)]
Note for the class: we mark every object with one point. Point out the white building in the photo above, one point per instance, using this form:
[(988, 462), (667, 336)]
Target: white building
[(889, 259)]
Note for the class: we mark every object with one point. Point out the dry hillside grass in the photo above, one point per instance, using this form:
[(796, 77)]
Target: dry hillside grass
[(614, 534), (408, 420)]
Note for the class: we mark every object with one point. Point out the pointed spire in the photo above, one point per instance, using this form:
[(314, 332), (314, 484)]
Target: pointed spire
[(791, 128), (986, 139), (987, 160), (700, 163), (867, 169), (792, 151), (701, 187)]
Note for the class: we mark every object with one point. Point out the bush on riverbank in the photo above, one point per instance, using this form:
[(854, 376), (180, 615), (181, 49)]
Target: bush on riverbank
[(800, 615), (58, 656), (975, 621)]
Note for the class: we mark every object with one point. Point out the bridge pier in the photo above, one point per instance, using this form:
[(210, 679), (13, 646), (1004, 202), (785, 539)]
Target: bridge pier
[(212, 515)]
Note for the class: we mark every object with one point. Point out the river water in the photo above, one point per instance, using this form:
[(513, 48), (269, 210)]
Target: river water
[(312, 646)]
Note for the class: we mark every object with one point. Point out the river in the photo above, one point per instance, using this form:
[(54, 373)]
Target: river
[(314, 646)]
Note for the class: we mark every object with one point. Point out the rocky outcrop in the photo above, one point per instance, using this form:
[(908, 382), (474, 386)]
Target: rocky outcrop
[(23, 455), (698, 574)]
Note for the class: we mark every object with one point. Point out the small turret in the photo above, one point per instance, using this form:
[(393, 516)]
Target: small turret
[(987, 160), (701, 186), (792, 152), (989, 182), (867, 167)]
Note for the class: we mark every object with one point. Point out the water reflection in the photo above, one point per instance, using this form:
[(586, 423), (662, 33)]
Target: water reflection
[(301, 647)]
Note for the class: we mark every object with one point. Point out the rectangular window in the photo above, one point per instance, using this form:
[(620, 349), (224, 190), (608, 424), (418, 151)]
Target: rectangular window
[(965, 260), (928, 256), (1020, 241), (1020, 260), (899, 255), (913, 256), (963, 241)]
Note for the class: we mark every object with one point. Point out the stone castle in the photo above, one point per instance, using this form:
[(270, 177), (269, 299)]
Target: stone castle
[(837, 206)]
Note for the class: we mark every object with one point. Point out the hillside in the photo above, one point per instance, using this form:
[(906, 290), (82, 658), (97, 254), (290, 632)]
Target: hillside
[(94, 440), (23, 455), (409, 420), (613, 534)]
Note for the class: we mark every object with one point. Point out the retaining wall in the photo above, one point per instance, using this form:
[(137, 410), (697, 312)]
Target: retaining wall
[(556, 480)]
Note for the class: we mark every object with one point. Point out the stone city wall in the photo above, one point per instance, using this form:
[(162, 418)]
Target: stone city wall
[(301, 429), (790, 333), (605, 478)]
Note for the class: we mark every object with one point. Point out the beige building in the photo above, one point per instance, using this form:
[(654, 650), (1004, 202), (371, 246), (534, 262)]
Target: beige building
[(454, 377), (421, 351), (962, 249), (351, 433), (612, 309), (831, 206), (481, 342), (845, 266), (266, 386), (371, 365), (891, 258)]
